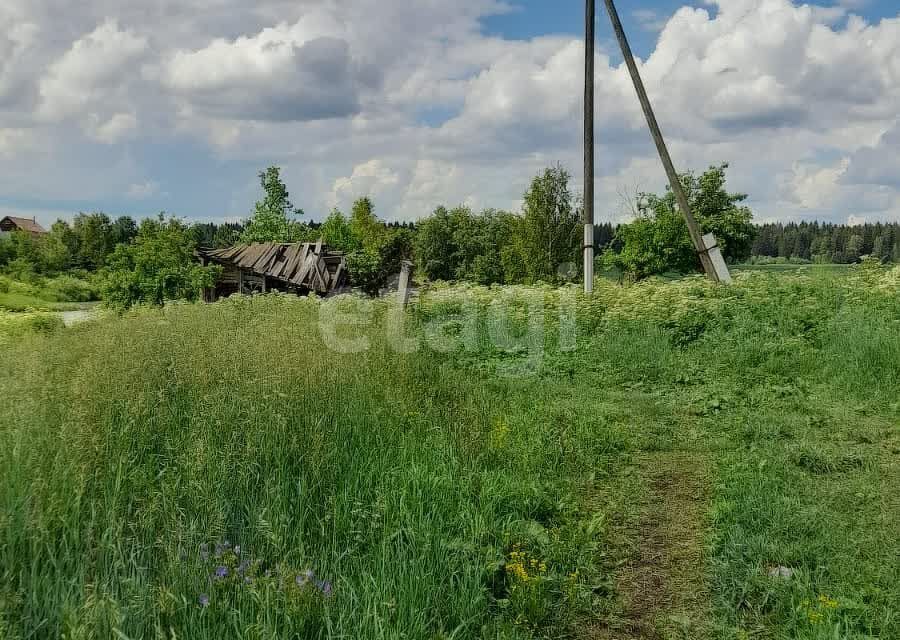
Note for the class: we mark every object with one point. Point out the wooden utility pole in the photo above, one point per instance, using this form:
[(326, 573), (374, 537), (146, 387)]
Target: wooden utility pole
[(589, 13), (715, 267)]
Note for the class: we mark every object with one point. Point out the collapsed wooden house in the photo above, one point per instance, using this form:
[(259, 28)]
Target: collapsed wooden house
[(258, 268)]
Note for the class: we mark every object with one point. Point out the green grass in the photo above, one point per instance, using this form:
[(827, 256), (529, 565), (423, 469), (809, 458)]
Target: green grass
[(792, 268), (64, 293), (423, 484)]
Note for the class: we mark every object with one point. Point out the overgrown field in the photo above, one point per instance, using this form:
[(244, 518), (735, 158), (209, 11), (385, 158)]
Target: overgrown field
[(664, 460), (62, 293)]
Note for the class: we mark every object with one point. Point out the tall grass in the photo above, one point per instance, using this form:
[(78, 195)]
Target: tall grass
[(411, 482), (401, 482)]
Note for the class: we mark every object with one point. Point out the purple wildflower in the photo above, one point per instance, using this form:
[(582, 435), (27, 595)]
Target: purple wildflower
[(203, 600), (245, 564), (221, 572), (325, 588), (237, 549)]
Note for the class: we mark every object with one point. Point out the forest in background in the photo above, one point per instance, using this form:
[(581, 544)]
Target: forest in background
[(153, 260)]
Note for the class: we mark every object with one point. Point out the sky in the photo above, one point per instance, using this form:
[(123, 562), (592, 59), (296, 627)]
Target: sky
[(140, 106)]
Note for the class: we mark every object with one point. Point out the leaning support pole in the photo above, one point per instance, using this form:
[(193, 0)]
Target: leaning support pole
[(718, 271), (589, 147)]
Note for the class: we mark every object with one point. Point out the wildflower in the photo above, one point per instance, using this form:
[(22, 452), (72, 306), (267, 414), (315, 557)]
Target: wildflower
[(242, 568), (304, 578), (221, 572), (237, 549), (203, 600)]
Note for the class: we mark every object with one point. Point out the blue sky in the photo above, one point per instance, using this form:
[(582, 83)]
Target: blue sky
[(531, 18), (130, 107)]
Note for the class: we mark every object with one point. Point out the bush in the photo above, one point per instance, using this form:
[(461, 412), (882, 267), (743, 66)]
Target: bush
[(70, 289), (158, 266), (658, 241)]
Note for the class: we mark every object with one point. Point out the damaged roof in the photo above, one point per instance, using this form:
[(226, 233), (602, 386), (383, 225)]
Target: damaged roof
[(306, 265)]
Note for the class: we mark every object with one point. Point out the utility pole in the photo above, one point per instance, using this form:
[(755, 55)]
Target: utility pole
[(589, 13), (707, 249)]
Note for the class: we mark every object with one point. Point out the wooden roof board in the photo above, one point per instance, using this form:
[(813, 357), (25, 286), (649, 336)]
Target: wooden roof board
[(304, 265)]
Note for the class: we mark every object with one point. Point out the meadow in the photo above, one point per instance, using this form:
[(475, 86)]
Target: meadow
[(661, 460), (37, 293)]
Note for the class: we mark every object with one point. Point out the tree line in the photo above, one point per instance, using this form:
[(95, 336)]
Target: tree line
[(826, 242), (153, 260)]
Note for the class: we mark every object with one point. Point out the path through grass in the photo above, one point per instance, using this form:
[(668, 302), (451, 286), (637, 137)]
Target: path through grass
[(645, 482), (662, 586)]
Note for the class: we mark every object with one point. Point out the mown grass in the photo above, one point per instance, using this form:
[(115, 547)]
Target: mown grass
[(467, 487)]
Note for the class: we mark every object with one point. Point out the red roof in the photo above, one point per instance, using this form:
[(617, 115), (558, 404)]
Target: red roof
[(25, 224)]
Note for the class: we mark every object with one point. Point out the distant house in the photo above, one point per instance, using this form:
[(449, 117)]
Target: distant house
[(258, 268), (10, 224)]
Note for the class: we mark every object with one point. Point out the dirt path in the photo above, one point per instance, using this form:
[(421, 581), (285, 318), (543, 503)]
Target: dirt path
[(661, 584)]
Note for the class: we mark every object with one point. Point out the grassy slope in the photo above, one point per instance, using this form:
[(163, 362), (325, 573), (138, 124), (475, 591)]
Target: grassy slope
[(18, 302), (56, 294), (411, 480)]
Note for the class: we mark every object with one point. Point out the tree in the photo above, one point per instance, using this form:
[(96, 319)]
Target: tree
[(158, 265), (462, 245), (658, 240), (59, 248), (337, 233), (549, 233), (366, 228), (435, 246), (375, 250), (21, 255), (854, 248), (124, 229), (94, 240), (271, 220)]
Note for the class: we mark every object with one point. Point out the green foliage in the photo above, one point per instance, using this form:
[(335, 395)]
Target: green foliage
[(375, 250), (435, 249), (364, 267), (83, 245), (337, 233), (14, 326), (365, 227), (21, 255), (93, 240), (658, 240), (550, 230), (827, 243), (461, 245), (503, 500), (159, 265), (500, 247), (271, 220), (63, 293)]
